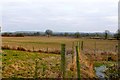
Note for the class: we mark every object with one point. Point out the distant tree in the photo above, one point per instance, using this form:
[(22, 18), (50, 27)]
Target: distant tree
[(77, 34), (6, 34), (117, 34), (97, 35), (36, 34), (106, 34), (48, 32), (19, 35), (66, 34)]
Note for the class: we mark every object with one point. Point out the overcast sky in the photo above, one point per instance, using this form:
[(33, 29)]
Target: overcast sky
[(59, 15)]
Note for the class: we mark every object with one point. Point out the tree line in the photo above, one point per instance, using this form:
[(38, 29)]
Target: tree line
[(104, 35)]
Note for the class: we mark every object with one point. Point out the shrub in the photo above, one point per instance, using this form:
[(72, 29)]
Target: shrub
[(6, 47), (21, 49)]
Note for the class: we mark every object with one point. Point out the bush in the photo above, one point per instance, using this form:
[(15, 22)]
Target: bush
[(21, 49), (6, 47), (19, 35)]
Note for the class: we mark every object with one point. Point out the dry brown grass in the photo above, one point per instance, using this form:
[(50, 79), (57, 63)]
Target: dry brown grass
[(86, 66), (53, 43)]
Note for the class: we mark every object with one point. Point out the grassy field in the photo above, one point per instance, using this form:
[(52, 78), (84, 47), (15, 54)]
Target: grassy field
[(54, 43), (21, 64), (25, 64), (30, 64)]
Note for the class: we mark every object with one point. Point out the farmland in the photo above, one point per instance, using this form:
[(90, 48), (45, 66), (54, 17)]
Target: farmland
[(25, 64), (22, 64), (54, 43)]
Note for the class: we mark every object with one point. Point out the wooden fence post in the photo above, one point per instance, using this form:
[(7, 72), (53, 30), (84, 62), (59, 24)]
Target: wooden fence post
[(79, 45), (72, 51), (47, 50), (77, 62), (82, 45), (33, 49), (63, 66), (95, 47), (36, 69)]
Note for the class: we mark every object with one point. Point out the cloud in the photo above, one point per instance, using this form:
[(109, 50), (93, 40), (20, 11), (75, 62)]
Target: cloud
[(59, 15), (0, 16), (112, 19)]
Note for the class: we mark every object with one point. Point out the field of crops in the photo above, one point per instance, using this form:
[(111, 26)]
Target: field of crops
[(25, 64)]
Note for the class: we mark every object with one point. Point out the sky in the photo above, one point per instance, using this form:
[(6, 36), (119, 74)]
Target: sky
[(59, 15)]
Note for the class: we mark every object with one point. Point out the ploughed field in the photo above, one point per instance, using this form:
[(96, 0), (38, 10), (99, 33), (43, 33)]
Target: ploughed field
[(32, 63)]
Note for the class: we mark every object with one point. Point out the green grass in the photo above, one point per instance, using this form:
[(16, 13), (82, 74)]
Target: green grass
[(107, 63), (22, 64)]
